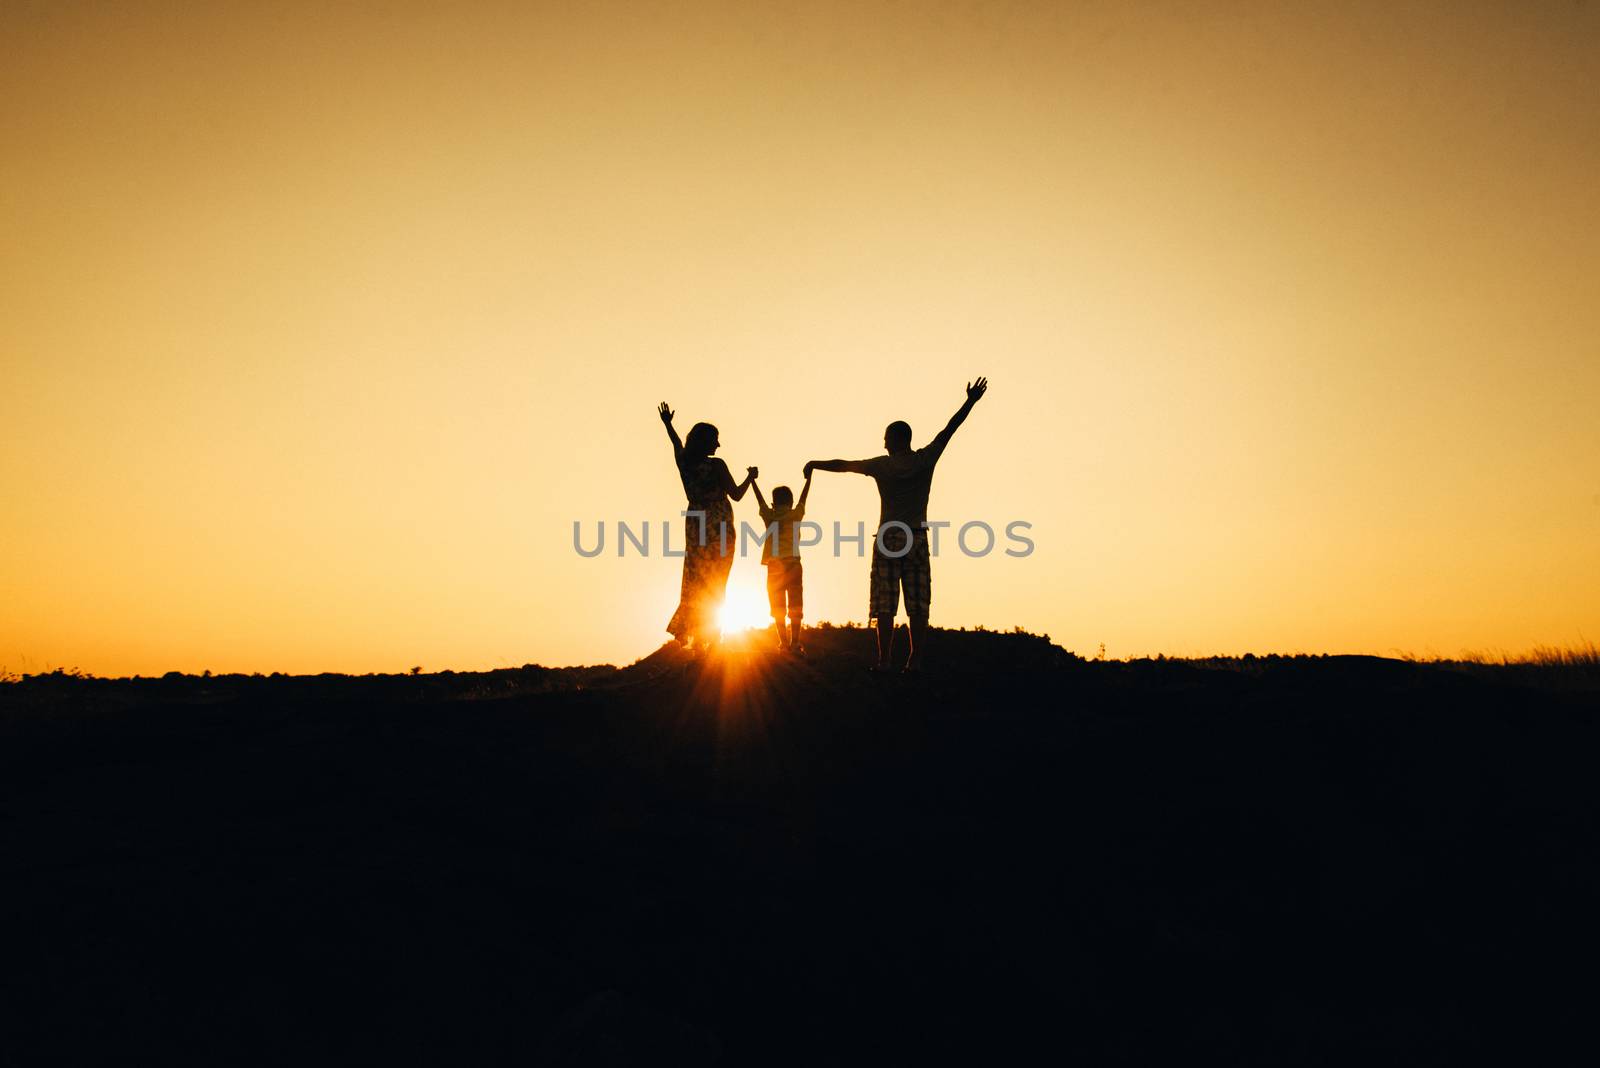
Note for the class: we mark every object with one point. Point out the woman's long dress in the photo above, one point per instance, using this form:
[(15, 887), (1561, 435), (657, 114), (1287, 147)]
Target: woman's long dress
[(708, 557)]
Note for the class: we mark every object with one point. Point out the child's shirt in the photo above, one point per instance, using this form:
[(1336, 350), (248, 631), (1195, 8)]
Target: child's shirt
[(782, 545)]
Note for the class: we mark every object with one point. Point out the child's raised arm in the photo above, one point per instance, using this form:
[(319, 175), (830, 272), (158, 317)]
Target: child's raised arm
[(761, 501), (805, 491)]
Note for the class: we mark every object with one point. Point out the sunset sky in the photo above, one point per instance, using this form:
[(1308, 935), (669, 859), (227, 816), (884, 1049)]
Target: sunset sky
[(321, 323)]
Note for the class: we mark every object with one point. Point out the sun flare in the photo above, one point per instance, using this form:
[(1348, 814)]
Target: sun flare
[(742, 610)]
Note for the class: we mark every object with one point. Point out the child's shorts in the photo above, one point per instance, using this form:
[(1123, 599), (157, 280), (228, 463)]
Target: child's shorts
[(785, 577), (911, 570)]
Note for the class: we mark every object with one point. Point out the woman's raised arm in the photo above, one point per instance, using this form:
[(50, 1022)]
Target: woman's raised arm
[(666, 419)]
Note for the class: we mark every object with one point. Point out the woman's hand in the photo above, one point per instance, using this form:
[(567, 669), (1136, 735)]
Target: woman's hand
[(665, 413), (752, 473)]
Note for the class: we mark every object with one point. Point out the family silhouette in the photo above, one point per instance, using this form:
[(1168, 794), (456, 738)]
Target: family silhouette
[(900, 557)]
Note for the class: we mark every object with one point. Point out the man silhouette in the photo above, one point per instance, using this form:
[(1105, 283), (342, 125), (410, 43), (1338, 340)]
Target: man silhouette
[(900, 550)]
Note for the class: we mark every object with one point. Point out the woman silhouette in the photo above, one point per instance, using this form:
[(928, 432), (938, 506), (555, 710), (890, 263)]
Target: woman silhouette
[(709, 535)]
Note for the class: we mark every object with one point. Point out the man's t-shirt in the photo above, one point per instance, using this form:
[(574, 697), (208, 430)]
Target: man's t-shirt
[(783, 543), (904, 480)]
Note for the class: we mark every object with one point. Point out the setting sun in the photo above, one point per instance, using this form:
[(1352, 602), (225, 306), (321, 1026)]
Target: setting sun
[(743, 610)]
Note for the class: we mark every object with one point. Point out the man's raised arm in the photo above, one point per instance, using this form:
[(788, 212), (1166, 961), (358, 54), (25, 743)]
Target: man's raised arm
[(975, 391)]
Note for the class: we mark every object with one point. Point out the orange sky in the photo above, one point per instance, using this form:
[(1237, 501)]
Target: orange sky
[(323, 322)]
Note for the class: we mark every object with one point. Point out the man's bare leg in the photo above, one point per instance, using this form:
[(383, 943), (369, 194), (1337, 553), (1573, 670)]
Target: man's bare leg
[(885, 640), (919, 636), (794, 632)]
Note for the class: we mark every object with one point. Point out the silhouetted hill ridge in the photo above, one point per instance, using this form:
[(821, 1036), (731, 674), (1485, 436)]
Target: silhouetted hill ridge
[(769, 859), (837, 654)]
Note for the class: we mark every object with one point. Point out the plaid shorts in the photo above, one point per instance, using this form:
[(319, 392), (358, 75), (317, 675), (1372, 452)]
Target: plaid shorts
[(786, 578), (890, 573)]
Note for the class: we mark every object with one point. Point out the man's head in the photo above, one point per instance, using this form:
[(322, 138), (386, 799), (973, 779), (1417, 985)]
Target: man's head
[(897, 436), (783, 497)]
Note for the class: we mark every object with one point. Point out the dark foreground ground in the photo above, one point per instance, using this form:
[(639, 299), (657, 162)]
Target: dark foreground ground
[(1021, 855)]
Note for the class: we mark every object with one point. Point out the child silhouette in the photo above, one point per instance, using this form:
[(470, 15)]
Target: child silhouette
[(780, 553)]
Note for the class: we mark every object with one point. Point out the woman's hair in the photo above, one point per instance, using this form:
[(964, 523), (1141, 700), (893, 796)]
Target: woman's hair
[(697, 446)]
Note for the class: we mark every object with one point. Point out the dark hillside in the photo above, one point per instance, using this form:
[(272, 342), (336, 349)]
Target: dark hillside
[(762, 860)]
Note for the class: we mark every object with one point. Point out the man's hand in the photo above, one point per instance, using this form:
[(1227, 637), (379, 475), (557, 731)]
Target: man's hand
[(665, 413), (975, 390), (811, 465)]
